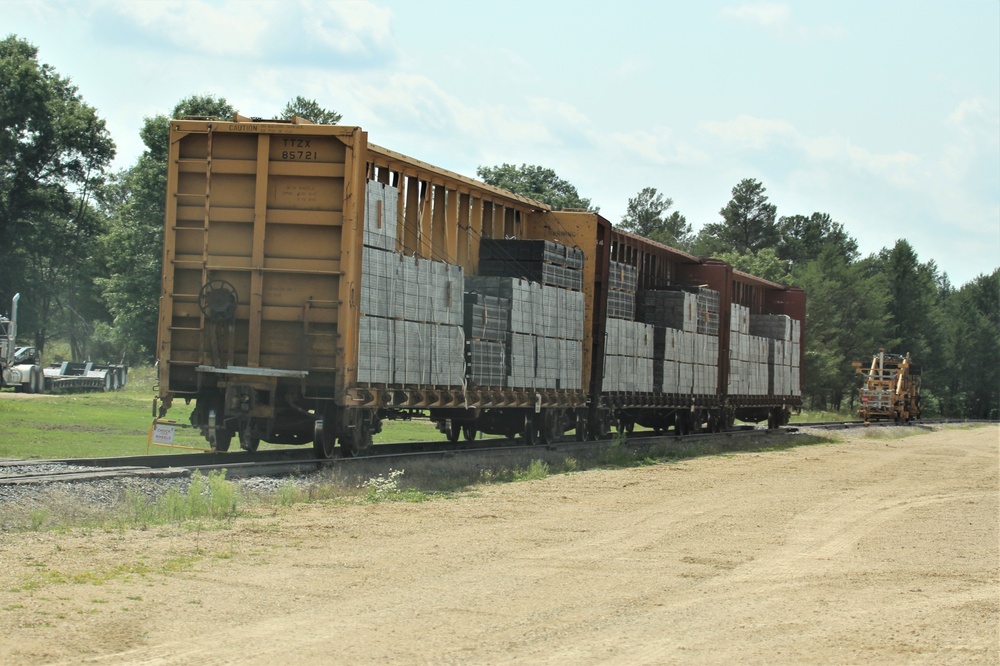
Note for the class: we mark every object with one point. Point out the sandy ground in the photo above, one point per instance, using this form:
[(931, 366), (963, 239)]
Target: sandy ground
[(861, 552)]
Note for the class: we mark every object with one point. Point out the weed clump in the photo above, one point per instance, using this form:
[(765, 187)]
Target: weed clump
[(537, 469), (386, 488), (212, 497)]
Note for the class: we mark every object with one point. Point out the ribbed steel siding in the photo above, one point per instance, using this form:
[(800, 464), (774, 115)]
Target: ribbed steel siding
[(261, 206)]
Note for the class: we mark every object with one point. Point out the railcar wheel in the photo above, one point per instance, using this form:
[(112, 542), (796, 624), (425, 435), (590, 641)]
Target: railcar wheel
[(530, 431), (602, 425), (249, 443), (469, 432), (223, 439), (625, 425), (582, 427), (324, 439), (219, 438), (551, 428), (357, 438), (697, 422), (682, 424), (453, 430)]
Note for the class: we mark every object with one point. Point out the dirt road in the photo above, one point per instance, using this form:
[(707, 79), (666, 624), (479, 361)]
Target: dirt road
[(865, 551)]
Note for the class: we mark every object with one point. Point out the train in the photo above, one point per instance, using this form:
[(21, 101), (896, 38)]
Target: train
[(316, 284)]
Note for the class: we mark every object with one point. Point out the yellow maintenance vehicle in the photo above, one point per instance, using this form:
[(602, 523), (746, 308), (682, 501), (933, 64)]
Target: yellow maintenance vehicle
[(891, 388)]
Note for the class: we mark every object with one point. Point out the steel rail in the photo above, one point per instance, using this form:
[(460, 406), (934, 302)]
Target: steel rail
[(284, 462)]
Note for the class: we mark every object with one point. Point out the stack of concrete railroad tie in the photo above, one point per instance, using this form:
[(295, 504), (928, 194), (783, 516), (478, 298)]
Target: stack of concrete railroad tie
[(628, 348), (686, 329), (411, 328), (542, 282), (486, 322), (782, 334)]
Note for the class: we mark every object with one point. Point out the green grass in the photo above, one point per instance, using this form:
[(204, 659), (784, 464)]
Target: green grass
[(86, 425), (210, 501), (414, 430), (814, 416), (80, 424), (97, 425), (213, 502), (537, 470), (211, 497)]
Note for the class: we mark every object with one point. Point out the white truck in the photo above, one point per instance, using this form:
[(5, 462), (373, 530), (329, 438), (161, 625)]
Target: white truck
[(21, 368)]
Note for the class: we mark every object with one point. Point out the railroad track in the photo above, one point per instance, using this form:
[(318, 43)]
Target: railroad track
[(300, 461)]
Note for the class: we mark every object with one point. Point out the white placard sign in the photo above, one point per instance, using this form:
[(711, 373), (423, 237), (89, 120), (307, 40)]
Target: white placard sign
[(163, 434)]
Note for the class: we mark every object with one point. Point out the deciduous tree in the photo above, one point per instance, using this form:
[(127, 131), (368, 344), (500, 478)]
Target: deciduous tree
[(535, 182), (54, 153), (310, 110), (802, 238), (765, 264), (134, 245)]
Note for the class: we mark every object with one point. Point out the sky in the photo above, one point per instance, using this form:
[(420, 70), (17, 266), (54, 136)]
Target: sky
[(884, 115)]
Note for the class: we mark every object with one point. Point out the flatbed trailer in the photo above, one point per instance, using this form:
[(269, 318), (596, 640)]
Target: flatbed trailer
[(78, 376)]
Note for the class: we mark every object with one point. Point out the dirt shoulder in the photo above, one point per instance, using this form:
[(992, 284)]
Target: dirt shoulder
[(864, 551)]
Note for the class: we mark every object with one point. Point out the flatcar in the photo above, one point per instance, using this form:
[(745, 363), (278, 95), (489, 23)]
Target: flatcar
[(316, 284)]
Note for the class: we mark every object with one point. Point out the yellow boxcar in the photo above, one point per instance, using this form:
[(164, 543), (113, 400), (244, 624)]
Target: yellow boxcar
[(262, 270)]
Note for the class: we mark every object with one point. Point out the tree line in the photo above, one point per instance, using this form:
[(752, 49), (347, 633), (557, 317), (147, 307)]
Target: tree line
[(83, 245), (855, 305)]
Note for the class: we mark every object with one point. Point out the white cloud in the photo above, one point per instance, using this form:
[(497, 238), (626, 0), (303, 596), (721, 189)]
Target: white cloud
[(967, 109), (975, 132), (230, 28), (357, 27), (900, 168), (750, 133), (558, 112), (256, 29), (778, 17), (412, 113), (657, 147), (766, 14)]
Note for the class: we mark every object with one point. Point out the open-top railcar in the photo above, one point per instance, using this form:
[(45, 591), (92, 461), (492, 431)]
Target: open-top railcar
[(315, 284)]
